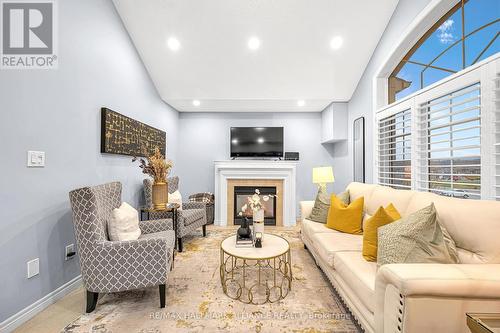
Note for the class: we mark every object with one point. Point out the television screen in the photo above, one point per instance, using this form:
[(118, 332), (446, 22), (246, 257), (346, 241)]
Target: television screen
[(256, 141)]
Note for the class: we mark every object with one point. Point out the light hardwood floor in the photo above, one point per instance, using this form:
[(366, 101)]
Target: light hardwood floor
[(56, 316)]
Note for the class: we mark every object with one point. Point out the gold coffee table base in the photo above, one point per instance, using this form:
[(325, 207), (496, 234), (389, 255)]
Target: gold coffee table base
[(256, 281)]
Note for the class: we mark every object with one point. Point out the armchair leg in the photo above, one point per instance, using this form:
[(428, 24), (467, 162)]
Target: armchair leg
[(179, 243), (162, 295), (91, 301), (204, 230)]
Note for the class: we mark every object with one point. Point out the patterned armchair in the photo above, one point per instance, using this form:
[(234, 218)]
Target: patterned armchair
[(192, 216), (113, 266)]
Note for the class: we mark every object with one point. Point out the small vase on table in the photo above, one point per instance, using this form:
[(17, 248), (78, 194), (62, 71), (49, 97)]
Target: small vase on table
[(258, 221)]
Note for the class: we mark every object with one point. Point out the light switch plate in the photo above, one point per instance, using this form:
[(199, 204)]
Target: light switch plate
[(36, 159), (33, 268)]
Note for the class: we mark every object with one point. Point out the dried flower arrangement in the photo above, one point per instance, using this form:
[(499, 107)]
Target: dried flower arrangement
[(157, 167), (254, 203)]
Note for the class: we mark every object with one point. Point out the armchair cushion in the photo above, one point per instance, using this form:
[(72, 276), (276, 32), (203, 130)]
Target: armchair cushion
[(124, 223), (175, 197)]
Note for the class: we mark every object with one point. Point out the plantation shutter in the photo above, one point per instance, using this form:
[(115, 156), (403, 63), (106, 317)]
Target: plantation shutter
[(496, 119), (450, 144), (394, 150)]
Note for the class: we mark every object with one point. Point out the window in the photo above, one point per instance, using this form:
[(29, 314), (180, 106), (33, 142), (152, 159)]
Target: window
[(445, 139), (467, 34), (451, 131), (394, 150)]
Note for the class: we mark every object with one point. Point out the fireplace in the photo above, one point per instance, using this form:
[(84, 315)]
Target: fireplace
[(241, 193)]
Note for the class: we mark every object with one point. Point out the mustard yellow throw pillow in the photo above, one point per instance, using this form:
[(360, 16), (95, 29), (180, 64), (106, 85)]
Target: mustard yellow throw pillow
[(345, 218), (381, 217)]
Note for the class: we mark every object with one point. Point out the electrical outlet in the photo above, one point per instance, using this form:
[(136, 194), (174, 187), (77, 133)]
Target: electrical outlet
[(69, 249), (36, 159), (33, 268)]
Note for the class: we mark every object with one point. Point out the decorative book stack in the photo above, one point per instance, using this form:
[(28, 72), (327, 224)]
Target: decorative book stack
[(244, 241)]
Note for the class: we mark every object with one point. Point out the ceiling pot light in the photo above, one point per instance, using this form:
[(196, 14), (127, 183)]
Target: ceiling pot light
[(336, 42), (253, 43), (301, 102), (173, 44), (260, 140), (196, 102)]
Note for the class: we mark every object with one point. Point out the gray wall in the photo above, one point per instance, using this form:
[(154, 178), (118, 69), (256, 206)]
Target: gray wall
[(57, 111), (362, 99), (204, 138)]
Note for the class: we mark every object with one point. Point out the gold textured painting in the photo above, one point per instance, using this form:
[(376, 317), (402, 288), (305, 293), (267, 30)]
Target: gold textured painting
[(126, 136)]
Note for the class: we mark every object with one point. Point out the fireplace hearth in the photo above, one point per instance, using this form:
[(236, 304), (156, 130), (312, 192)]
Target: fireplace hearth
[(241, 193)]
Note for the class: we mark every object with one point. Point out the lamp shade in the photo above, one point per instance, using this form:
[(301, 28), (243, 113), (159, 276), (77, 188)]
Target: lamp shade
[(323, 175)]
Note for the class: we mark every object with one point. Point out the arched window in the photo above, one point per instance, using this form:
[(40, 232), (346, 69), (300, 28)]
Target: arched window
[(465, 35)]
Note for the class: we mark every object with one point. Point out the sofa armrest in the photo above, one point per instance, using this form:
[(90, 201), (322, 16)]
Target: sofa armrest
[(151, 226), (458, 280), (194, 205), (306, 208), (434, 291)]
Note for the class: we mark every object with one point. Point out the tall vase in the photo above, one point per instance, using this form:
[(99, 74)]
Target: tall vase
[(258, 222), (160, 195)]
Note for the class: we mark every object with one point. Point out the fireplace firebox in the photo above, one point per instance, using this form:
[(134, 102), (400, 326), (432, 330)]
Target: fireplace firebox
[(241, 193)]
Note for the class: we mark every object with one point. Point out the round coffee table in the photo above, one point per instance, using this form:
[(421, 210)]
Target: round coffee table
[(256, 275)]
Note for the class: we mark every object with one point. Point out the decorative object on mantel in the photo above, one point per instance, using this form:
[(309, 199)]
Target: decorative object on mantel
[(158, 168), (125, 136), (256, 207), (323, 176)]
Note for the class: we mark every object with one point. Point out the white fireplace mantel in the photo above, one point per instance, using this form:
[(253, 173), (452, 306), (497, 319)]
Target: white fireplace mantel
[(255, 169)]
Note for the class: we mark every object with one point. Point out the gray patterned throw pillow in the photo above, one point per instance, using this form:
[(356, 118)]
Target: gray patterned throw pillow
[(319, 212), (417, 238)]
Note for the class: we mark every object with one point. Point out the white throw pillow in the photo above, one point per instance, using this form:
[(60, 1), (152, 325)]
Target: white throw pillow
[(175, 197), (124, 223)]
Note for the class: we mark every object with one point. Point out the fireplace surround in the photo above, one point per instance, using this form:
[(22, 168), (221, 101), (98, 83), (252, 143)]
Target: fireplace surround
[(230, 173)]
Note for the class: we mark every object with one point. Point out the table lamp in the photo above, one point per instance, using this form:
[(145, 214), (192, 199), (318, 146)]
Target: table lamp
[(322, 176)]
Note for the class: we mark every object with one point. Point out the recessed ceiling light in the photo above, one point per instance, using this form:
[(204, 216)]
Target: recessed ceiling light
[(301, 102), (196, 102), (253, 43), (336, 42), (173, 44), (260, 140)]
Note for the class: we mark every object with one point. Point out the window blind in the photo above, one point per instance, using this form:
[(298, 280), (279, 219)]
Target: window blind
[(450, 146), (394, 150)]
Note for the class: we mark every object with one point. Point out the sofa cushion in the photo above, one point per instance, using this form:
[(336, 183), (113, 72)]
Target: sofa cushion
[(417, 238), (360, 274), (310, 227), (357, 190), (383, 196), (381, 217), (345, 218), (329, 244)]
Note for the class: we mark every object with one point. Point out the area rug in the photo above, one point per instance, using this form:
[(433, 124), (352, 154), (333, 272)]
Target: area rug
[(196, 303)]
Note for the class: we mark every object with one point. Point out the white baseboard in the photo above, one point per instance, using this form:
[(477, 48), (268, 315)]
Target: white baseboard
[(30, 311)]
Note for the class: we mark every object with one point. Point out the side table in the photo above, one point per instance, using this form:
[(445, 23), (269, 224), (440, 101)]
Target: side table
[(483, 322)]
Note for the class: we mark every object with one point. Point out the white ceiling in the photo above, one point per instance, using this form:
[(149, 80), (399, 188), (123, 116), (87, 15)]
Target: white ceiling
[(215, 66)]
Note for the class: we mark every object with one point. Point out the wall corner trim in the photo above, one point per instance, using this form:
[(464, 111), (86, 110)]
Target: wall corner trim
[(16, 320)]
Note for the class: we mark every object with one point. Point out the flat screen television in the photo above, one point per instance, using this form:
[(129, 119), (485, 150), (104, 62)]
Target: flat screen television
[(256, 141)]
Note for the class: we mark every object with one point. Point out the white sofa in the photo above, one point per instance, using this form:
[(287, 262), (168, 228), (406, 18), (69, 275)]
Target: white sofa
[(413, 298)]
